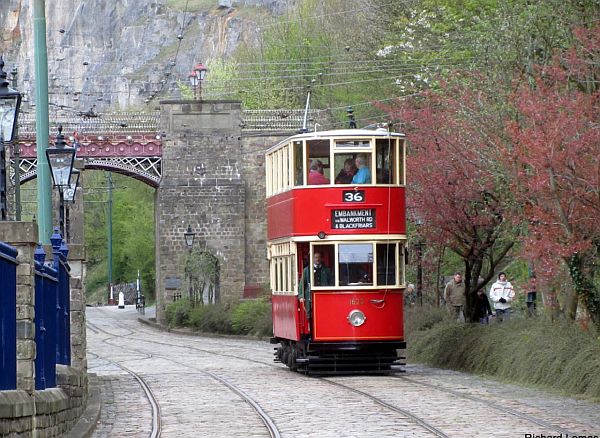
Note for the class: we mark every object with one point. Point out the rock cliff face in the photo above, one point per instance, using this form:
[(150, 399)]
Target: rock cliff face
[(124, 54)]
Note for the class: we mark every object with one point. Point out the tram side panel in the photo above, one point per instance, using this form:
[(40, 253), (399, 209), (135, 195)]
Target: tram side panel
[(306, 212), (383, 320), (288, 317)]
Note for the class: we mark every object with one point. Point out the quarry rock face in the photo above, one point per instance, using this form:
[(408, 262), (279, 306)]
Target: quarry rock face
[(119, 54)]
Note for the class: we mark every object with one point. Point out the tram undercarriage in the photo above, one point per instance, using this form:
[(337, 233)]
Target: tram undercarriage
[(340, 358)]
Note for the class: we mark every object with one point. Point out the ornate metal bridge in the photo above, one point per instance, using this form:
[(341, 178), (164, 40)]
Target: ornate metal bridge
[(130, 143)]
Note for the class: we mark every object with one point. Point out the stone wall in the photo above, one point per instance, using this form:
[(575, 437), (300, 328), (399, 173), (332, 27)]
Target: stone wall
[(253, 159), (26, 412), (48, 413), (202, 186), (23, 236)]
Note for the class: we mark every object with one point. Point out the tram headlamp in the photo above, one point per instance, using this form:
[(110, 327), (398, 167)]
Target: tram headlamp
[(356, 318)]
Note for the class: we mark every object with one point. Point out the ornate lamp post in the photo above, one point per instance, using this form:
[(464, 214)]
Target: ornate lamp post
[(60, 159), (189, 236), (194, 80), (197, 77), (10, 102)]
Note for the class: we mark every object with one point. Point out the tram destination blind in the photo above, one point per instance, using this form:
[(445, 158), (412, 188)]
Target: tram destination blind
[(353, 219)]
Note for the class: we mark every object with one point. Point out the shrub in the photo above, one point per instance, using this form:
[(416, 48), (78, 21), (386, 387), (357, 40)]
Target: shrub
[(212, 318), (253, 317), (178, 313)]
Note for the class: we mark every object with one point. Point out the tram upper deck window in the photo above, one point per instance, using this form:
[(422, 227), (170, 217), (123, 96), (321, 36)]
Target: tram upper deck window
[(385, 152), (318, 166), (298, 163), (353, 143)]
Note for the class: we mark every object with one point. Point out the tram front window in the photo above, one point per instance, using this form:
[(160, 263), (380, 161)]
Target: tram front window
[(355, 264)]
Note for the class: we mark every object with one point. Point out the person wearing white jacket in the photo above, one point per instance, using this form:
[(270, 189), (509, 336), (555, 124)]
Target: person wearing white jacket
[(502, 294)]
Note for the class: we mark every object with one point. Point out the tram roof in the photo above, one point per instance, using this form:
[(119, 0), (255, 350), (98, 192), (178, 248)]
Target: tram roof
[(380, 132)]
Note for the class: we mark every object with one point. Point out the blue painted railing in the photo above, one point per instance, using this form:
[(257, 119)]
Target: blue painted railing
[(46, 290), (8, 317), (63, 353), (52, 313)]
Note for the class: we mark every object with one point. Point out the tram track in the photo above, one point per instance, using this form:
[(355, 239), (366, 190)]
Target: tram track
[(491, 404), (411, 416), (155, 432), (425, 425), (264, 417)]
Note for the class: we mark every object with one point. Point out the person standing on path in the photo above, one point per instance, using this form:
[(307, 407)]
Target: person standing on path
[(454, 294), (532, 296), (502, 295), (483, 310)]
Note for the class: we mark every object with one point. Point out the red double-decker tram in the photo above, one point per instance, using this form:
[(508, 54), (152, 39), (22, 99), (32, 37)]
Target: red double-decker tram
[(336, 245)]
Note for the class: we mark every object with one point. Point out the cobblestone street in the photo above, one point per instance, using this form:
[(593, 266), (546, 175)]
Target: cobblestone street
[(226, 387)]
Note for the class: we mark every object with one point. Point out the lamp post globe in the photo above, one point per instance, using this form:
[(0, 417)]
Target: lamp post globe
[(60, 159), (194, 81), (200, 70), (71, 190), (10, 102), (189, 237)]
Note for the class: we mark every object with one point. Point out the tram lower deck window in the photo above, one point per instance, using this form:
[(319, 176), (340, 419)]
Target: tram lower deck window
[(355, 264)]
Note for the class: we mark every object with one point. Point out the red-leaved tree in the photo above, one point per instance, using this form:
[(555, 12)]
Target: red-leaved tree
[(456, 180), (556, 139)]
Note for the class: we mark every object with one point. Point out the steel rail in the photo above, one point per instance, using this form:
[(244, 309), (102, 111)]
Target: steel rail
[(410, 415), (492, 405), (156, 412)]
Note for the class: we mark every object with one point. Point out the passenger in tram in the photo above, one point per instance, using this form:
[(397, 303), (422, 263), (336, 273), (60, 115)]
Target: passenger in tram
[(347, 173), (315, 176), (363, 175), (322, 277)]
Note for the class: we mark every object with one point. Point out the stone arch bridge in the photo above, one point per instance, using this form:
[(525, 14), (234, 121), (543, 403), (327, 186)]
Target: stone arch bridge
[(205, 160)]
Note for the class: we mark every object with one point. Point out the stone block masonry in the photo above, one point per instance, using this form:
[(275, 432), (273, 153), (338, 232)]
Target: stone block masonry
[(202, 185), (26, 412), (253, 165)]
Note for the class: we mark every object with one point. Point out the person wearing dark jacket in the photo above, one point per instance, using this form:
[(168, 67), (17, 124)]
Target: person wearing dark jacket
[(483, 310)]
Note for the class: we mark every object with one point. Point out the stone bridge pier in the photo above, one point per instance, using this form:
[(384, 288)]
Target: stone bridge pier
[(212, 180)]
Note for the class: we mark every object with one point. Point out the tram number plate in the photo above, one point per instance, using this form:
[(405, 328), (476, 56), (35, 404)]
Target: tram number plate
[(359, 219), (353, 196)]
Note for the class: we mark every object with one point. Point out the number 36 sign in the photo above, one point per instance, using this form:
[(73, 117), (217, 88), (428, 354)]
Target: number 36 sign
[(353, 196)]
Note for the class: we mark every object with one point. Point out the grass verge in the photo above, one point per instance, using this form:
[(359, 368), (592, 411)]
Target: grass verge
[(554, 355)]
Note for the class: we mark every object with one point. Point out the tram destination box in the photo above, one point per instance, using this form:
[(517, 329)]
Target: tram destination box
[(353, 219)]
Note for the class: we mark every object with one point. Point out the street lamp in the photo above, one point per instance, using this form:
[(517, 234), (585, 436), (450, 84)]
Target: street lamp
[(194, 80), (60, 159), (189, 236), (69, 197), (197, 77), (10, 102)]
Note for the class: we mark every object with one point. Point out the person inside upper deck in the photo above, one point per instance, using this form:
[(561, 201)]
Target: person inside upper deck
[(363, 175), (315, 176), (347, 173)]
